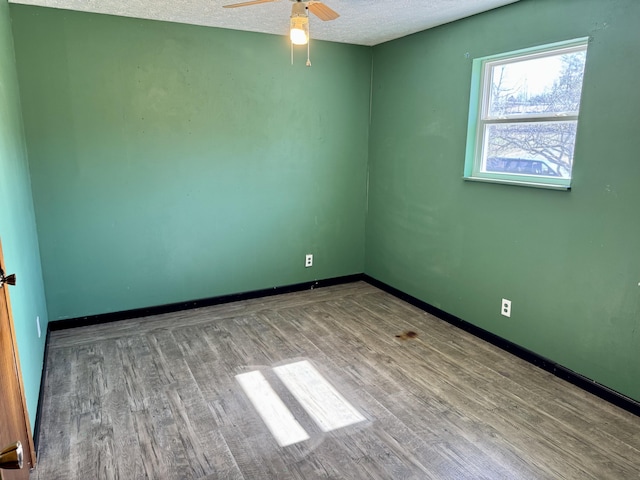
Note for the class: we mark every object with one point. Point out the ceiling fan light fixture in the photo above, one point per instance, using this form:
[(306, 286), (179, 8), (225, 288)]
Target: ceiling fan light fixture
[(299, 34), (299, 30)]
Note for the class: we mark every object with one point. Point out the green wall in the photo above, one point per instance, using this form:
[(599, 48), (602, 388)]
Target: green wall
[(569, 261), (173, 162), (17, 223)]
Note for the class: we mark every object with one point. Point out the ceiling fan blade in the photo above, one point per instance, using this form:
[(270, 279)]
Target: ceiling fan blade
[(323, 12), (246, 4)]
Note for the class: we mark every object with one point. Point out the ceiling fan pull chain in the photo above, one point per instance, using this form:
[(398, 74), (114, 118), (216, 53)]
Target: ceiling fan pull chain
[(291, 52), (308, 59)]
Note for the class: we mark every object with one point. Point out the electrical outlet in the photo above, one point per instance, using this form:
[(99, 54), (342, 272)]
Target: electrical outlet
[(38, 325), (308, 260), (505, 308)]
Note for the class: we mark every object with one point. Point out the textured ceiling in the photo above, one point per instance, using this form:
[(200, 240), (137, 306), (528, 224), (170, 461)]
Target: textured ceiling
[(361, 22)]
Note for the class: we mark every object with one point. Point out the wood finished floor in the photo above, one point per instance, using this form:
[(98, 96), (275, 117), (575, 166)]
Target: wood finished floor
[(157, 398)]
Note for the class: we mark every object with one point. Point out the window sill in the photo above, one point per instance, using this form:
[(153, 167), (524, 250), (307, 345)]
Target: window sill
[(548, 186)]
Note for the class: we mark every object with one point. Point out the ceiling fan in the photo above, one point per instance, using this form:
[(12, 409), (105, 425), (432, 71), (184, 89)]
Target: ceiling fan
[(299, 31)]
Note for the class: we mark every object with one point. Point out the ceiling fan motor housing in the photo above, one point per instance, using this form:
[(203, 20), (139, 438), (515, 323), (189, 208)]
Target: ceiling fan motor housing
[(299, 9)]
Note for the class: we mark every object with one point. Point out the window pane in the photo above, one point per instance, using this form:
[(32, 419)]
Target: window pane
[(532, 148), (547, 85)]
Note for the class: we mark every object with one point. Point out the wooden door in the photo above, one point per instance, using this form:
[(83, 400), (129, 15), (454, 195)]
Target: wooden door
[(14, 419)]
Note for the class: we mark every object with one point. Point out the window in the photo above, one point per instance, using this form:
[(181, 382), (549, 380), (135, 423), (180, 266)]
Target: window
[(523, 115)]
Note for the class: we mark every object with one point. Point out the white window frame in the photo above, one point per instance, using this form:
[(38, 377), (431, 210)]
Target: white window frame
[(479, 117)]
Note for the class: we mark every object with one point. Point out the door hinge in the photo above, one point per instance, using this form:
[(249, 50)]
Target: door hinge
[(8, 279)]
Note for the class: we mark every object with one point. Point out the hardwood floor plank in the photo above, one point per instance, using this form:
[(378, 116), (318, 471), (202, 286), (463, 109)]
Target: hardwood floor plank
[(161, 458), (54, 454), (157, 397), (91, 448)]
